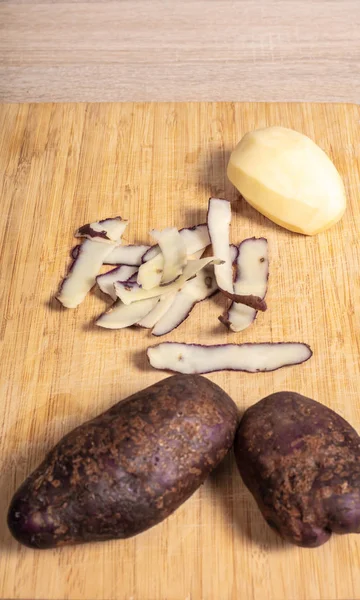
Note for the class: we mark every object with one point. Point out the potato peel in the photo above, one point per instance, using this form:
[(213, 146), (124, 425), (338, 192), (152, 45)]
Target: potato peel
[(197, 289), (106, 281), (251, 358), (130, 255), (128, 292), (196, 238), (174, 253), (219, 219), (108, 231), (122, 315), (151, 272), (81, 277), (252, 273), (160, 309)]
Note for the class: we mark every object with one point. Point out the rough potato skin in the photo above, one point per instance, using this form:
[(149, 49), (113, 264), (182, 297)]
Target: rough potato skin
[(301, 461), (127, 469)]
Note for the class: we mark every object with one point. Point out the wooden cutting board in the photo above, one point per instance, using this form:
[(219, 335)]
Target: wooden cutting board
[(63, 165)]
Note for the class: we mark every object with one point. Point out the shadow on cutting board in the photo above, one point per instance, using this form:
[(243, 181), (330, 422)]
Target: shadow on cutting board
[(140, 360), (239, 508), (54, 304), (212, 178)]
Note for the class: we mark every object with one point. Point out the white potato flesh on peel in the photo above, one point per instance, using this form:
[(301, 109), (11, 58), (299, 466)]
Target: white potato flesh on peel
[(238, 317), (197, 289), (233, 252), (82, 274), (219, 219), (130, 255), (128, 292), (195, 238), (108, 231), (252, 267), (252, 273), (150, 272), (252, 358), (163, 304), (173, 250), (106, 280), (151, 253), (196, 255), (86, 266), (289, 179), (122, 315)]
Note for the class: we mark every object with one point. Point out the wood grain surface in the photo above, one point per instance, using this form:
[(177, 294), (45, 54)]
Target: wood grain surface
[(146, 50), (156, 164)]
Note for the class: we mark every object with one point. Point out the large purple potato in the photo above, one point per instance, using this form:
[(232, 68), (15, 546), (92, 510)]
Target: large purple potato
[(127, 469), (301, 461)]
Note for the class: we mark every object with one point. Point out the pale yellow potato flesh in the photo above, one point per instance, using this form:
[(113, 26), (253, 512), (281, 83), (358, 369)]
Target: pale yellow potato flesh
[(289, 179)]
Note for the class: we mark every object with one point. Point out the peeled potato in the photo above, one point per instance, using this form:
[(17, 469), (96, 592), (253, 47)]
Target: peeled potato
[(289, 179)]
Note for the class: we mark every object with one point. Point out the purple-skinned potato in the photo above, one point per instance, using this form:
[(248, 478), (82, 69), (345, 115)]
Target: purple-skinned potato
[(301, 462), (129, 468)]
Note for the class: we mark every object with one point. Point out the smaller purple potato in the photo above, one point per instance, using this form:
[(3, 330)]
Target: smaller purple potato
[(127, 469), (301, 462)]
